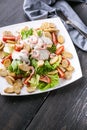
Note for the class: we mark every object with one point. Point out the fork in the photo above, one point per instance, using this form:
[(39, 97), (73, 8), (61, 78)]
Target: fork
[(67, 21)]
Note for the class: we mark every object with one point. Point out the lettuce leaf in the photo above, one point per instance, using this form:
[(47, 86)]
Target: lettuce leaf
[(34, 81), (33, 63), (26, 33), (14, 67), (47, 67), (54, 66), (54, 81), (44, 69), (39, 32)]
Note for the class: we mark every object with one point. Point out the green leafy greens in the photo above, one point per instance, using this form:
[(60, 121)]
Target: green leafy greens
[(26, 33), (14, 67), (52, 49), (54, 81), (34, 80), (39, 32), (47, 67)]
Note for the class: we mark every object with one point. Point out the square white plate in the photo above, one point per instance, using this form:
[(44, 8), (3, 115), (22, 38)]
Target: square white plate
[(68, 46)]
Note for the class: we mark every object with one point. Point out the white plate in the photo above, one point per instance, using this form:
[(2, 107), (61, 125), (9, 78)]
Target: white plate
[(68, 46)]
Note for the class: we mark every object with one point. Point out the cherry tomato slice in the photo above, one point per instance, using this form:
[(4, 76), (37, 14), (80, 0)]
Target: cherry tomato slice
[(54, 38), (12, 38), (61, 73), (18, 47), (60, 50), (45, 79)]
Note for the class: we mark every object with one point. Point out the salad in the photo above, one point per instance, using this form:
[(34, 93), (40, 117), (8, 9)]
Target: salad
[(34, 58)]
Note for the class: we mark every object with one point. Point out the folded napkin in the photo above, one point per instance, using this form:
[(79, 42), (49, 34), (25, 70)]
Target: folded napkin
[(37, 9)]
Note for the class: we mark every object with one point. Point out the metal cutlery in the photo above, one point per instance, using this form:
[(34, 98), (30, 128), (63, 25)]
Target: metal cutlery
[(67, 21)]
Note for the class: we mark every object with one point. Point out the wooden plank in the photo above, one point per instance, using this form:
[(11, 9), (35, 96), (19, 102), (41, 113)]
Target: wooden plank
[(11, 12), (16, 112), (66, 108)]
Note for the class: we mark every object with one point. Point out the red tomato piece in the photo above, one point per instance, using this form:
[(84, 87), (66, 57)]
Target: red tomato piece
[(60, 50), (12, 38), (45, 79), (61, 73), (18, 47), (54, 38)]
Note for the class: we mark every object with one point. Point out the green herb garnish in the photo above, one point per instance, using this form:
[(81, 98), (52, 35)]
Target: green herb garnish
[(52, 49)]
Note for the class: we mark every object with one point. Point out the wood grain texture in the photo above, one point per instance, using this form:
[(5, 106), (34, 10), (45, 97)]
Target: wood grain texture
[(11, 12), (16, 112), (62, 109)]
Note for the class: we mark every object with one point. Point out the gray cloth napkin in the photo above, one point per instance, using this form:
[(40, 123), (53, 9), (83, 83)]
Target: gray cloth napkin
[(37, 9)]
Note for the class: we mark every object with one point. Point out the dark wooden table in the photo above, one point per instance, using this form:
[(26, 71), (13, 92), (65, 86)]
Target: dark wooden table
[(62, 109)]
